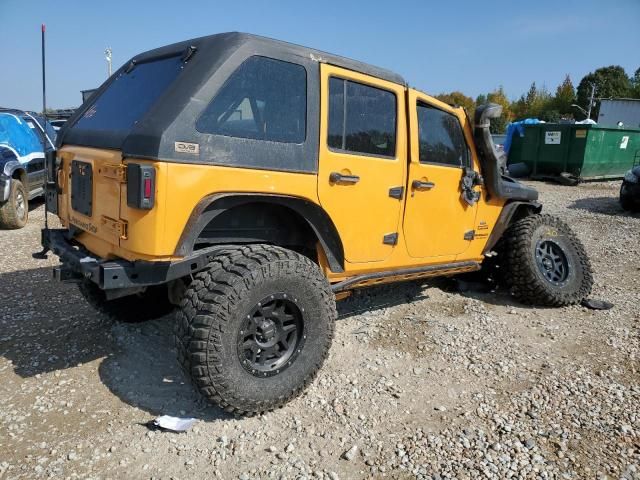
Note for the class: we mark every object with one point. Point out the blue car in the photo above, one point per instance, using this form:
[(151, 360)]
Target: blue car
[(24, 139)]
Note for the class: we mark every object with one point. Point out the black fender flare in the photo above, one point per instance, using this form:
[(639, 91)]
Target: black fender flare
[(318, 220), (11, 167), (512, 210)]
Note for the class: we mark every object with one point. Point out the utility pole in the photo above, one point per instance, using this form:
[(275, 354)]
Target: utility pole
[(44, 88), (107, 54), (593, 91)]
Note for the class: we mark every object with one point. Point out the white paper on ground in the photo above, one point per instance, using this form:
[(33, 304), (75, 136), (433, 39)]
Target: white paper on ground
[(176, 424)]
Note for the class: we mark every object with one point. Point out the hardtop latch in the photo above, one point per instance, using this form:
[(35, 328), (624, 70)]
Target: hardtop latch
[(117, 227), (116, 172)]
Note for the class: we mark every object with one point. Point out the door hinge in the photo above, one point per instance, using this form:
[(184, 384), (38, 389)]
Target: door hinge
[(117, 227), (390, 239), (396, 192), (470, 235), (116, 172)]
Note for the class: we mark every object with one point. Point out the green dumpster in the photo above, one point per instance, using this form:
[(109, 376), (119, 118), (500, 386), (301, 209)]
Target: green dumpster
[(585, 152)]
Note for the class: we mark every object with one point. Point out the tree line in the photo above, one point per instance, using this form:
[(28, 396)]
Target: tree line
[(540, 103)]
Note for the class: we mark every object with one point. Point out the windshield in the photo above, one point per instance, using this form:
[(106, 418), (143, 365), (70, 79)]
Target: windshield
[(129, 96)]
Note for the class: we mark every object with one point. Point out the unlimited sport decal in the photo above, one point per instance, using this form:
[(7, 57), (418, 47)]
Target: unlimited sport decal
[(87, 226)]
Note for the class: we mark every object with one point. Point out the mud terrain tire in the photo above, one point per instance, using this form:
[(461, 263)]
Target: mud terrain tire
[(544, 263), (240, 300)]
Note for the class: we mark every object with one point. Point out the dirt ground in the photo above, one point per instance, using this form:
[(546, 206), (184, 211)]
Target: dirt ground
[(422, 381)]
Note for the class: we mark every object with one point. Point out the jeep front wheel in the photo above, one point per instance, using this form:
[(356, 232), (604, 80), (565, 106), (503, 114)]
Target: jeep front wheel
[(544, 263), (14, 213), (255, 327)]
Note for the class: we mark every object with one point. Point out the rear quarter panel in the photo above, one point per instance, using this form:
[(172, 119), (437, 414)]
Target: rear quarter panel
[(180, 187)]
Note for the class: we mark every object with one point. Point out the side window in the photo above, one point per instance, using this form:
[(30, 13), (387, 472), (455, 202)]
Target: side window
[(362, 119), (264, 99), (440, 138)]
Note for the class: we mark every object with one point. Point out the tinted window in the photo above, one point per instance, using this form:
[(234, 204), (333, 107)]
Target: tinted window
[(130, 95), (362, 119), (440, 137), (264, 99), (336, 113)]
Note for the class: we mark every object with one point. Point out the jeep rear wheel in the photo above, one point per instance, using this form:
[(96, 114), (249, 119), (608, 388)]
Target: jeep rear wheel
[(15, 211), (544, 263), (255, 327), (148, 305)]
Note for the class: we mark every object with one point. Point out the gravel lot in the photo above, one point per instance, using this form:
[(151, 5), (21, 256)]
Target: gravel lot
[(422, 381)]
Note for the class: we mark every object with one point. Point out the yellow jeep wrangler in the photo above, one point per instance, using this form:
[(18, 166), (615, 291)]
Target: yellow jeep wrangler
[(253, 182)]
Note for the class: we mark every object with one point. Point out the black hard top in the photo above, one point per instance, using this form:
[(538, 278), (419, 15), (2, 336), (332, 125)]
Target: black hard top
[(237, 39), (206, 63)]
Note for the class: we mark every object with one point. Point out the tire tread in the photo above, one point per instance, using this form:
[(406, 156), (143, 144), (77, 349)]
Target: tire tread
[(520, 271), (209, 304)]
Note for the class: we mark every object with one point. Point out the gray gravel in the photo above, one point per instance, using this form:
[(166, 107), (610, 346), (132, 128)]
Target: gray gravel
[(422, 381)]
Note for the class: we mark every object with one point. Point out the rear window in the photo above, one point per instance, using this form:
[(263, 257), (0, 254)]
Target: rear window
[(130, 95), (264, 99)]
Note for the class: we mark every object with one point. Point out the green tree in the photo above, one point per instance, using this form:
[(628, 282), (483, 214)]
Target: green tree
[(610, 82), (635, 84), (459, 99), (543, 107), (499, 125), (537, 103), (481, 99), (519, 108), (565, 96), (532, 95)]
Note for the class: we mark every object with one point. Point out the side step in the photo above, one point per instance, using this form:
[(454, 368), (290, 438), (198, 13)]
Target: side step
[(379, 278)]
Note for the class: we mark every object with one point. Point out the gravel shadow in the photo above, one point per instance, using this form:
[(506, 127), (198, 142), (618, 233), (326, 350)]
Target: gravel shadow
[(47, 327), (605, 205), (36, 203), (379, 297)]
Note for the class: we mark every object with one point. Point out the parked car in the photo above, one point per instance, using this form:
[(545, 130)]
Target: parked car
[(630, 190), (254, 182), (24, 137)]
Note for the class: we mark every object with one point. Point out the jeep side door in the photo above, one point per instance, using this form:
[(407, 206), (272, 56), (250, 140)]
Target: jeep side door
[(362, 160), (437, 221)]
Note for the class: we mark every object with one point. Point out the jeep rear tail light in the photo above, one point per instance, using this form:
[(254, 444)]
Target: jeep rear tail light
[(141, 180), (147, 188)]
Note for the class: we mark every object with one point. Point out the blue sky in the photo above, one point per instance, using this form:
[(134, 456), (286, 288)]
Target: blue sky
[(438, 46)]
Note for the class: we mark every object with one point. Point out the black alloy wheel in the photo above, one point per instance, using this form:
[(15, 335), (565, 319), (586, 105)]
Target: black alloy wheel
[(552, 262), (272, 335)]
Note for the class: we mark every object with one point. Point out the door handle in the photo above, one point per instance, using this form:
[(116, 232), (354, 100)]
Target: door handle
[(420, 185), (337, 177)]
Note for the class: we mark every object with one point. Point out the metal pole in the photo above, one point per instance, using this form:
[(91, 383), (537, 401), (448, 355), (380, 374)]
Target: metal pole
[(107, 54), (44, 135), (593, 91), (44, 83)]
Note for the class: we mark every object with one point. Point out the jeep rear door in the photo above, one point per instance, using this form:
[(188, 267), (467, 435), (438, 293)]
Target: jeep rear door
[(362, 160), (91, 182), (437, 221)]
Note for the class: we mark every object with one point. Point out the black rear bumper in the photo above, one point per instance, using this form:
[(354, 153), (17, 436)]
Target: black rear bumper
[(77, 263)]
